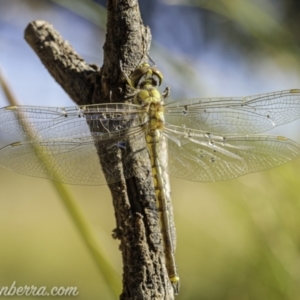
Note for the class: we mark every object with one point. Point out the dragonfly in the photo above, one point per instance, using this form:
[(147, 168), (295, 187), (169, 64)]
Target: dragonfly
[(202, 139)]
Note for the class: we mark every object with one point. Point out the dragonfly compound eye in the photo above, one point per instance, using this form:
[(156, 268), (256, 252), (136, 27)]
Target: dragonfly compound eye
[(145, 74)]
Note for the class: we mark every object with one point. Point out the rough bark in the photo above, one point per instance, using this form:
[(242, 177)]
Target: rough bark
[(128, 42)]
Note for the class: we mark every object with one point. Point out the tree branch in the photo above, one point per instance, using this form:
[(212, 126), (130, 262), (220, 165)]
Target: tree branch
[(128, 42), (76, 77)]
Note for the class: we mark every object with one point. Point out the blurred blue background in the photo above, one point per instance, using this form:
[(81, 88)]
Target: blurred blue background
[(237, 240)]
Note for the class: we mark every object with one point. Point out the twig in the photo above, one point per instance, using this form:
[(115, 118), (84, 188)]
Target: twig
[(128, 41)]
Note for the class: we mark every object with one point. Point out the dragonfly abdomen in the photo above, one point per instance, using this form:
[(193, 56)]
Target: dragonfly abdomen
[(162, 190)]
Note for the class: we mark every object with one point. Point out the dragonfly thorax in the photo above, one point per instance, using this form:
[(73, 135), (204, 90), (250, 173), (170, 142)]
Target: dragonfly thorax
[(145, 81)]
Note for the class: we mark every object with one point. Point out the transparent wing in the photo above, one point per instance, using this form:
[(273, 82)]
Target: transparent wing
[(76, 161), (246, 115), (196, 156), (34, 122)]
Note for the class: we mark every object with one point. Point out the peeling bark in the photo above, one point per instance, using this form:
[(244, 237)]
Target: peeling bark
[(128, 42)]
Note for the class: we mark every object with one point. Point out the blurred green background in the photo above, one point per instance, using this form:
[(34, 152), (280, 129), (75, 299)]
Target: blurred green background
[(237, 240)]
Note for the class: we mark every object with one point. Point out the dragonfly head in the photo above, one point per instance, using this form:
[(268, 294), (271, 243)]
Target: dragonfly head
[(146, 75)]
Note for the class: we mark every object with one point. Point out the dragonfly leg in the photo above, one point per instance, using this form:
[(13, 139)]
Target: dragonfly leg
[(125, 75), (166, 93), (152, 60)]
